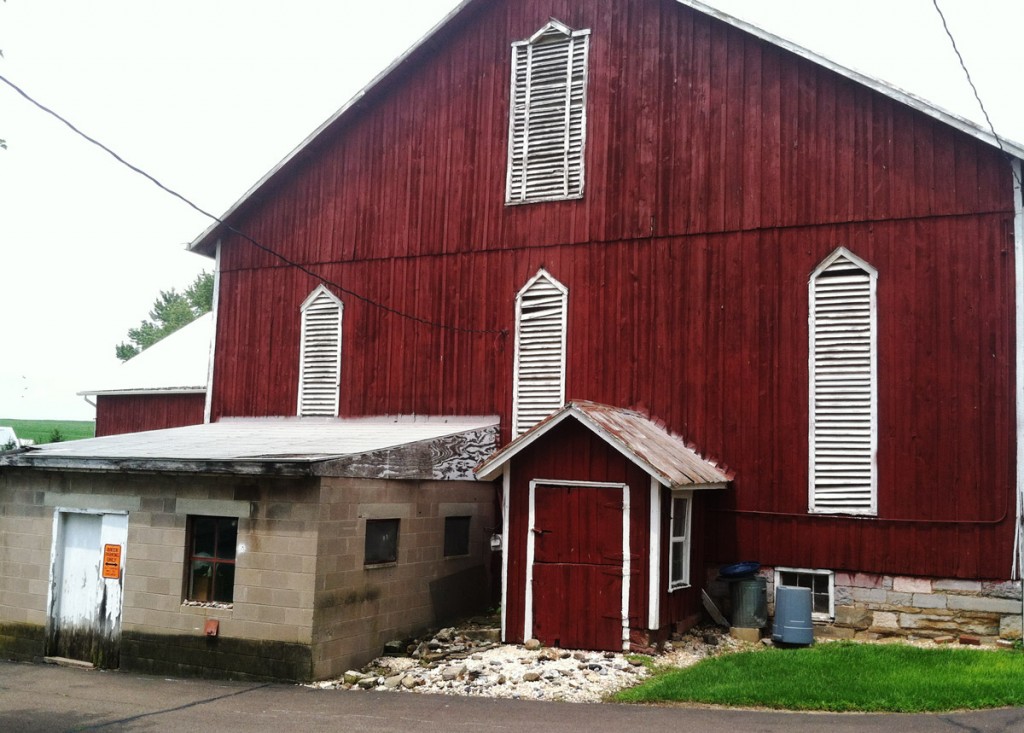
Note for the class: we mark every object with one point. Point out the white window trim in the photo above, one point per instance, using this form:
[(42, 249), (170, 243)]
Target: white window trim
[(872, 273), (319, 291), (686, 540), (526, 46), (520, 426), (815, 615)]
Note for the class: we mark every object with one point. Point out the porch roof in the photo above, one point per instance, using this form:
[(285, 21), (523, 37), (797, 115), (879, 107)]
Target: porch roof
[(645, 442), (373, 447)]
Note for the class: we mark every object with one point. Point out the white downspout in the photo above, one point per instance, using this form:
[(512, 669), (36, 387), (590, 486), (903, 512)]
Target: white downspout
[(208, 407)]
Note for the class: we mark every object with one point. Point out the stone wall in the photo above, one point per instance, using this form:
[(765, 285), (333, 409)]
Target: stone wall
[(870, 606)]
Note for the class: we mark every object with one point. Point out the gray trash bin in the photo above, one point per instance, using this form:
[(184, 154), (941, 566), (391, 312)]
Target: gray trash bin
[(749, 603), (793, 615)]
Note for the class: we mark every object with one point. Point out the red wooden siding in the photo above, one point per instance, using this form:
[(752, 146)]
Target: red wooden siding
[(720, 172), (577, 566), (116, 414)]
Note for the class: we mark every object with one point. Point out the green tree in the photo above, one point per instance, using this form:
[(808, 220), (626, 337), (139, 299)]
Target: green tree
[(171, 311)]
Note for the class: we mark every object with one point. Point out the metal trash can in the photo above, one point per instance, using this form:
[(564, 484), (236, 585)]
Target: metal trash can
[(793, 616), (749, 602)]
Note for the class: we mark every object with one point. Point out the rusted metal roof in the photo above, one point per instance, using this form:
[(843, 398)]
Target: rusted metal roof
[(647, 443), (283, 446)]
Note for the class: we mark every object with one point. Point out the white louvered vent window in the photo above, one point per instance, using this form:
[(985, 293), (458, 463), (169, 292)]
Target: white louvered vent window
[(320, 354), (541, 316), (547, 120), (843, 390)]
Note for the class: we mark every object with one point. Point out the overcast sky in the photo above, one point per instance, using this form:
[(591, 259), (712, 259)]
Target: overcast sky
[(207, 96)]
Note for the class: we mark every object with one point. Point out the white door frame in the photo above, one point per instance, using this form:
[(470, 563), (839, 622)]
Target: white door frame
[(530, 534)]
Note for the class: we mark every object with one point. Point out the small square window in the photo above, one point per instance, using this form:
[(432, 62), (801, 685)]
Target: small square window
[(456, 536), (381, 541), (821, 584), (211, 560)]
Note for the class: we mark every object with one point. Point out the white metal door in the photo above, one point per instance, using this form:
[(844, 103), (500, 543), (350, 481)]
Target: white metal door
[(87, 585)]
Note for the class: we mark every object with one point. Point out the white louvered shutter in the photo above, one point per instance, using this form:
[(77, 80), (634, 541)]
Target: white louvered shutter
[(320, 354), (547, 121), (842, 386), (539, 387)]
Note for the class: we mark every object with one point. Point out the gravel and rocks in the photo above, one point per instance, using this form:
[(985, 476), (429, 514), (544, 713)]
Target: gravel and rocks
[(471, 661)]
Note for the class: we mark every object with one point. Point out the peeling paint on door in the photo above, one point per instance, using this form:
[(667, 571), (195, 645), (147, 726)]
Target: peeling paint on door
[(85, 607)]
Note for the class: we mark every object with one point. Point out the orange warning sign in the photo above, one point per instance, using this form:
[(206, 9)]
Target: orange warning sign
[(112, 561)]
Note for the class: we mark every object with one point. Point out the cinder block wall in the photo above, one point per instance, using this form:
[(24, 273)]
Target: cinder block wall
[(359, 607), (26, 527), (265, 634)]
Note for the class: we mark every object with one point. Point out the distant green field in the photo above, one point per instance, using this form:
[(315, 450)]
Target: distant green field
[(41, 431)]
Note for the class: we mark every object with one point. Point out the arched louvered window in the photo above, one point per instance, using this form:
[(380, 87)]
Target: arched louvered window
[(541, 317), (843, 386), (547, 120), (320, 354)]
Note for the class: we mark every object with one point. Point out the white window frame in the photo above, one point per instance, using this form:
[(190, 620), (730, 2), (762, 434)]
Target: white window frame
[(824, 491), (532, 175), (307, 381), (536, 384), (686, 540), (815, 615)]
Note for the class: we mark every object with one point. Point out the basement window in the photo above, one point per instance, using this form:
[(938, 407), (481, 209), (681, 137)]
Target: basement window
[(822, 586), (212, 543), (381, 546), (456, 536)]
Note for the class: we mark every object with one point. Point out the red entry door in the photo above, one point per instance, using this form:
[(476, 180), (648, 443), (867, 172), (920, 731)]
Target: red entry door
[(577, 566)]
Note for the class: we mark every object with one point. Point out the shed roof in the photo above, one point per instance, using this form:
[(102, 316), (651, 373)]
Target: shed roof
[(281, 446), (664, 456), (178, 363), (206, 241)]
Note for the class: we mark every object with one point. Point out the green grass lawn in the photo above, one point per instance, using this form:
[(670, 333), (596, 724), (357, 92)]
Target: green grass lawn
[(845, 676), (41, 431)]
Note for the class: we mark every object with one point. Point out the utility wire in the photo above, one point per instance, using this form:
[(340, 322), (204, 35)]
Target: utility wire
[(977, 96), (243, 235)]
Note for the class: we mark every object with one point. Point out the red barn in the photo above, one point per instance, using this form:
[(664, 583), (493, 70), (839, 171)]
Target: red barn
[(672, 253)]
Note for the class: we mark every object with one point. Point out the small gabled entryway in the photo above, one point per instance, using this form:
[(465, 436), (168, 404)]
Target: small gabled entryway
[(587, 527)]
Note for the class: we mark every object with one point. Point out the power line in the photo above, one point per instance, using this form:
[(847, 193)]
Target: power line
[(977, 96), (233, 230)]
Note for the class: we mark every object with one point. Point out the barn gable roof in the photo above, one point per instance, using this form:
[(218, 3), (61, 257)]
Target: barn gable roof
[(664, 456), (205, 243)]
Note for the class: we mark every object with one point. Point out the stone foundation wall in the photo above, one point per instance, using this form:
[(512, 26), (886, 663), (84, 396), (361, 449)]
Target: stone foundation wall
[(870, 606)]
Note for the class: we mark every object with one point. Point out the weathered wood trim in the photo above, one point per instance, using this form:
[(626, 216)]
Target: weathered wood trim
[(654, 559), (506, 491), (448, 458)]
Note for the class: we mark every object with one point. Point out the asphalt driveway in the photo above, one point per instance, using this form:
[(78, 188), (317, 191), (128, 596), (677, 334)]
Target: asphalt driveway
[(41, 697)]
